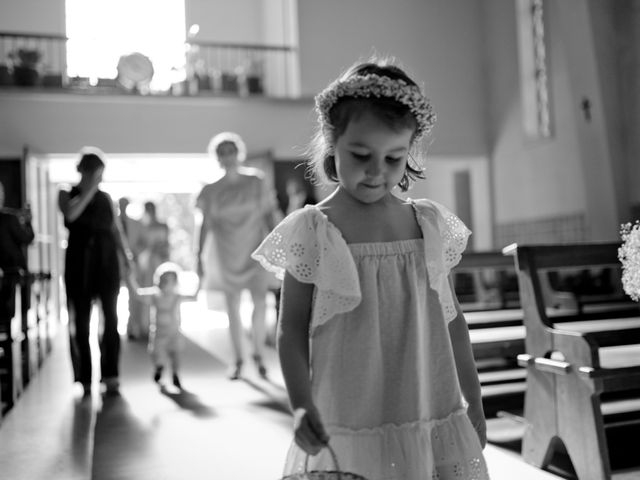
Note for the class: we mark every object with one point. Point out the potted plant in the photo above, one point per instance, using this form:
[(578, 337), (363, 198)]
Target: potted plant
[(26, 66)]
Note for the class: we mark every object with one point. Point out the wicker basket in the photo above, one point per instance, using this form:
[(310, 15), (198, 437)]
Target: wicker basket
[(336, 474)]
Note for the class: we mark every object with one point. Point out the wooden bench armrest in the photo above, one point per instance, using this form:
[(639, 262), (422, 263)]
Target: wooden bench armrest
[(544, 364)]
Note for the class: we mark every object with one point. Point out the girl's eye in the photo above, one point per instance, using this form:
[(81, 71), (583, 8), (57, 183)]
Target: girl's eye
[(360, 156), (394, 159)]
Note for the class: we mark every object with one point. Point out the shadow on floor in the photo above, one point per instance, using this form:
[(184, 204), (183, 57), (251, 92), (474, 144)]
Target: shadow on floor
[(276, 395), (121, 443), (188, 401)]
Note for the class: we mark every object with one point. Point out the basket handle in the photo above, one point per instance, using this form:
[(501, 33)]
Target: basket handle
[(334, 457)]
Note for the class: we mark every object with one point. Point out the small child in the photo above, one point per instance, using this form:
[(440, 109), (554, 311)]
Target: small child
[(165, 338), (373, 345)]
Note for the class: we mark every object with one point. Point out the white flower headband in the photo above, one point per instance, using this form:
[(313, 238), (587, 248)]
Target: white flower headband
[(378, 86)]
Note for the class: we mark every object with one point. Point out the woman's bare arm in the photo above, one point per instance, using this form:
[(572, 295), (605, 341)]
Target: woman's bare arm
[(72, 208)]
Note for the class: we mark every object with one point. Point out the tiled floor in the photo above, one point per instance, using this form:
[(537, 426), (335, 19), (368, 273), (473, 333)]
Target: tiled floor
[(215, 429)]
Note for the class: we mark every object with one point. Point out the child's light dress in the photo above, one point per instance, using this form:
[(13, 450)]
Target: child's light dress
[(165, 337), (383, 371)]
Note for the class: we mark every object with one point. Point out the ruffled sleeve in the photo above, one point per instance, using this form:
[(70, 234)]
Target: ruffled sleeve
[(307, 246), (445, 238)]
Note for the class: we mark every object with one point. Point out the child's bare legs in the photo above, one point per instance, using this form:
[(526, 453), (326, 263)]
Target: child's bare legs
[(175, 364), (259, 329), (158, 357), (235, 330)]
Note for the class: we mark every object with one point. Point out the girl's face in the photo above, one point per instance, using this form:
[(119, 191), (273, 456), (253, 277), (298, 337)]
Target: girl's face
[(168, 283), (227, 154), (371, 157)]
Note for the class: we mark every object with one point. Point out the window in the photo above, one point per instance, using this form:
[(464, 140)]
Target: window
[(532, 55), (100, 31)]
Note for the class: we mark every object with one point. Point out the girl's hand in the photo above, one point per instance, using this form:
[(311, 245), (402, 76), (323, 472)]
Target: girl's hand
[(310, 434), (476, 415)]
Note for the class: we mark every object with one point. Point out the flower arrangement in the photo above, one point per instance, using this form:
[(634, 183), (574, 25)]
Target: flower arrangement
[(629, 255), (25, 57)]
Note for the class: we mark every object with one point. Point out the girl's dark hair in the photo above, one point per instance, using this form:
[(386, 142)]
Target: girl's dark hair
[(90, 160), (395, 115), (165, 276)]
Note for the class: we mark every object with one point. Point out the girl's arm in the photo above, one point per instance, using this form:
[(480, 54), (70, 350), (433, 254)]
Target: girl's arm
[(145, 294), (467, 372), (293, 350)]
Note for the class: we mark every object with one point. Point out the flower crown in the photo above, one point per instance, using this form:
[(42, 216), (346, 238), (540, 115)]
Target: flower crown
[(372, 85)]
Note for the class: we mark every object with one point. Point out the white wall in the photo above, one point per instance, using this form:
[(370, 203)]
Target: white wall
[(62, 123), (574, 170), (226, 20), (439, 186), (440, 42), (32, 16)]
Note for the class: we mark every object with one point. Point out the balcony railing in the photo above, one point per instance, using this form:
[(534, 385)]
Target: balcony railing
[(211, 68)]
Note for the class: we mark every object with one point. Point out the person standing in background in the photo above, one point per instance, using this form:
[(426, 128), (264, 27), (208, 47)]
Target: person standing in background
[(16, 233), (297, 195), (96, 255), (238, 211), (152, 247), (132, 230)]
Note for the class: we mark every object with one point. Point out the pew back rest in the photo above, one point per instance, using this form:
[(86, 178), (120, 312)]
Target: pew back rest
[(482, 281), (534, 261)]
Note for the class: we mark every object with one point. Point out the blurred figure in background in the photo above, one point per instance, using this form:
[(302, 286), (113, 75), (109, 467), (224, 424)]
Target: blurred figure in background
[(152, 247), (97, 253), (238, 211), (132, 230), (165, 336), (297, 195), (15, 234)]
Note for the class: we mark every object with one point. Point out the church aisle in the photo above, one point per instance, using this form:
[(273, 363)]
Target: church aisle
[(215, 429)]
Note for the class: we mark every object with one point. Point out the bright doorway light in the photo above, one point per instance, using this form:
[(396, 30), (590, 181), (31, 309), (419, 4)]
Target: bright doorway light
[(100, 31)]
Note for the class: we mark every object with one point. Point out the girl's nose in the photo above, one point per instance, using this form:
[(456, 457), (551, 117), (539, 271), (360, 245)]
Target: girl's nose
[(375, 167)]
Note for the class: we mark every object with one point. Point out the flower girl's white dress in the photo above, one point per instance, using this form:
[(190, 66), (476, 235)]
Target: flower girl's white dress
[(383, 371)]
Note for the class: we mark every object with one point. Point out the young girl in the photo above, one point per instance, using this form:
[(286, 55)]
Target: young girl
[(373, 345), (165, 337)]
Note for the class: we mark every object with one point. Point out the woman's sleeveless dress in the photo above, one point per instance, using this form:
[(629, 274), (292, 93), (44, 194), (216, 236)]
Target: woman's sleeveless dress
[(383, 372), (229, 266), (91, 258)]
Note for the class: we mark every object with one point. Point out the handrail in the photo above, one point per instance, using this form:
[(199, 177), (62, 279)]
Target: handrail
[(247, 46), (211, 68), (45, 36)]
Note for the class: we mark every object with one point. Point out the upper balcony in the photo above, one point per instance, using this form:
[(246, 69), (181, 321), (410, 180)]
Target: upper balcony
[(39, 62)]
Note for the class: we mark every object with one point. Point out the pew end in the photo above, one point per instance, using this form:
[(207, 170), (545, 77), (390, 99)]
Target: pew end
[(581, 362)]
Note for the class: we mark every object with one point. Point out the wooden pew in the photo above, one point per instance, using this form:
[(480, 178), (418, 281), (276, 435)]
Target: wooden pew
[(581, 367), (3, 405), (11, 342), (482, 281), (42, 315), (29, 322)]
